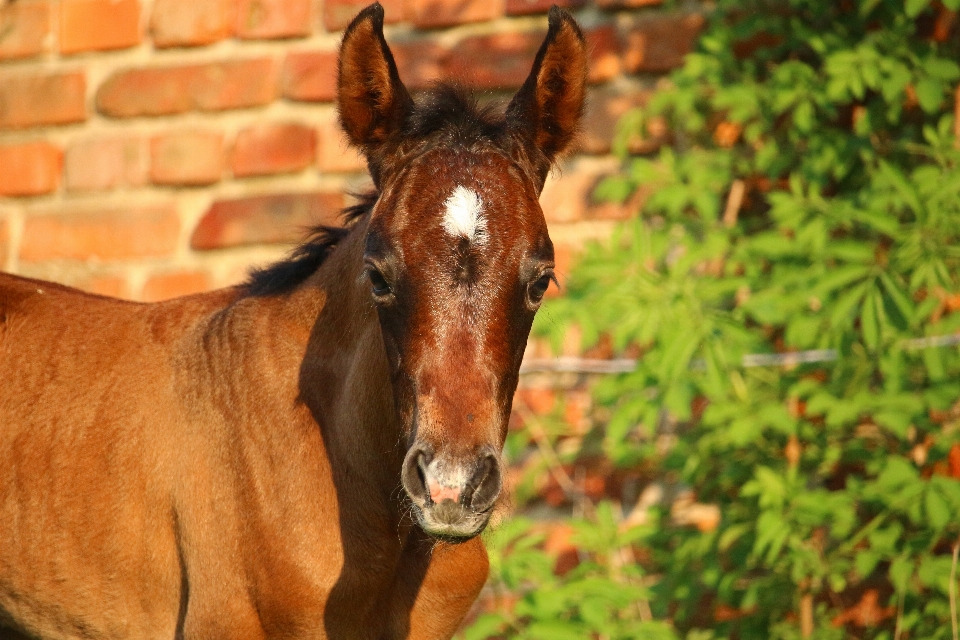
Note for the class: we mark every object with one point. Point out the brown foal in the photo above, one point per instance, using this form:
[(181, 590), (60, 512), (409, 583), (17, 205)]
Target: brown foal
[(311, 454)]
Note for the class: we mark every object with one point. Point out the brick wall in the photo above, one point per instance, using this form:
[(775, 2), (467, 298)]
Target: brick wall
[(150, 148)]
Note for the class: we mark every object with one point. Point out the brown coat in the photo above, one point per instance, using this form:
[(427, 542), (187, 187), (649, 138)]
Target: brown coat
[(311, 455)]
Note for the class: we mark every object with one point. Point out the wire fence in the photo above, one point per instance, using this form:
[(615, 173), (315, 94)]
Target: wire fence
[(569, 364)]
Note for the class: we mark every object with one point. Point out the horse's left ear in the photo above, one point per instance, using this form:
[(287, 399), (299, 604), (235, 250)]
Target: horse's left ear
[(546, 111), (371, 99)]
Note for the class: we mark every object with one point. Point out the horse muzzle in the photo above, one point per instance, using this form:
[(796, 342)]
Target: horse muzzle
[(452, 497)]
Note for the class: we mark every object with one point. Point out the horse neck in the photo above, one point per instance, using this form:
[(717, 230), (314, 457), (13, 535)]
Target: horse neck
[(302, 378), (345, 376)]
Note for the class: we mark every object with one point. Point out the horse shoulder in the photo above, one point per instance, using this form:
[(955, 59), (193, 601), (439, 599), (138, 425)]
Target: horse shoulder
[(90, 431)]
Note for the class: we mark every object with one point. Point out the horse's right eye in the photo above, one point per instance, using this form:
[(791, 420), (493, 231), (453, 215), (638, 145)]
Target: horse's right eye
[(380, 286)]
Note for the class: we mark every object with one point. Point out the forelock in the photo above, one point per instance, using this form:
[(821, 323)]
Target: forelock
[(451, 112)]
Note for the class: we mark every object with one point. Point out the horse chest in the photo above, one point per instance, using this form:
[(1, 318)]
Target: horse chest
[(338, 589)]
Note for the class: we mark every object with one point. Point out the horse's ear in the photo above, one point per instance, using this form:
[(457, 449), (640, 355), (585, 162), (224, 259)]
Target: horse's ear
[(546, 111), (371, 99)]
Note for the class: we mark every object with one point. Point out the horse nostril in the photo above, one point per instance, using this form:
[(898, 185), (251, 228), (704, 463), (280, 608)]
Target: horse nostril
[(484, 487), (421, 471), (413, 475)]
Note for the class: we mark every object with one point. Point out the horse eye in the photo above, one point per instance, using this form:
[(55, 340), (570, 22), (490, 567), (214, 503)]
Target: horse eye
[(539, 287), (380, 286)]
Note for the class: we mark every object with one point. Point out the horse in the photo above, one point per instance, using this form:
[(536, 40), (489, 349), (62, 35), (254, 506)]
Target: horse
[(313, 453)]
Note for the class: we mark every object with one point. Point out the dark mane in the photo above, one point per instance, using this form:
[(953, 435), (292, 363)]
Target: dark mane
[(447, 113), (451, 113), (284, 276)]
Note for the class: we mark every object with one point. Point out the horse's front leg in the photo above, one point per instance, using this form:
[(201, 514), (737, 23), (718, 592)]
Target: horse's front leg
[(435, 586)]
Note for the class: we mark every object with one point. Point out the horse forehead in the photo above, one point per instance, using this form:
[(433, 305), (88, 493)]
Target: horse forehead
[(464, 216), (468, 195)]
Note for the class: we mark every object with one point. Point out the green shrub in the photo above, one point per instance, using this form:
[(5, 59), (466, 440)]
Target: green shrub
[(808, 200)]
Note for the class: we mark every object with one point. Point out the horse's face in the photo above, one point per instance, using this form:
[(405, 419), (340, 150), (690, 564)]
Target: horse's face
[(457, 256)]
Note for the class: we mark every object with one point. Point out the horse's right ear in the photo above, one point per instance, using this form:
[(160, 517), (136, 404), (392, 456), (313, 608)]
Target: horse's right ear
[(371, 99)]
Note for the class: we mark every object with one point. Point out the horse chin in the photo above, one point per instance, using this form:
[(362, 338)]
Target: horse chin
[(451, 522)]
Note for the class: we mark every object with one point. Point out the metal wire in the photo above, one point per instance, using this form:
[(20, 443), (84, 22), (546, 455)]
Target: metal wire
[(568, 364)]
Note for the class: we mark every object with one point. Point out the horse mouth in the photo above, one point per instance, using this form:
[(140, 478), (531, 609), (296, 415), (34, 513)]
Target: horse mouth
[(450, 521)]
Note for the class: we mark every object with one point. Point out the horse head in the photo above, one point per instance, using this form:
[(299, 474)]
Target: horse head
[(457, 253)]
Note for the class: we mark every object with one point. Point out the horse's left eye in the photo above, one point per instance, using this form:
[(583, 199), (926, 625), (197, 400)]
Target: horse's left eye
[(380, 286), (538, 288)]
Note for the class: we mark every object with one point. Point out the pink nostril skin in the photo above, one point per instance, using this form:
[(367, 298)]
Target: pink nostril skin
[(439, 493)]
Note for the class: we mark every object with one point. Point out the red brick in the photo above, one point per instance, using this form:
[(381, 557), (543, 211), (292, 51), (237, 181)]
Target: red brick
[(604, 47), (190, 23), (626, 4), (337, 14), (100, 234), (447, 13), (164, 286), (568, 197), (565, 198), (209, 87), (263, 19), (420, 62), (539, 401), (271, 219), (334, 154), (273, 148), (105, 163), (186, 158), (30, 100), (494, 61), (522, 7), (148, 92), (658, 44), (92, 280), (29, 169), (4, 242), (235, 84), (102, 285), (98, 25), (503, 60), (310, 76), (605, 106), (235, 274), (23, 28)]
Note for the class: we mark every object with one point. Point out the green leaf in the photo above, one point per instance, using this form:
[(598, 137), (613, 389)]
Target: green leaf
[(949, 488), (848, 239), (803, 116), (897, 473), (487, 625), (552, 629), (941, 68), (933, 361), (914, 7), (865, 563), (900, 571), (869, 324), (934, 571), (929, 94), (938, 511), (898, 296), (614, 189)]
